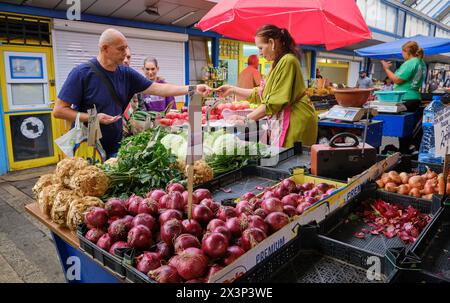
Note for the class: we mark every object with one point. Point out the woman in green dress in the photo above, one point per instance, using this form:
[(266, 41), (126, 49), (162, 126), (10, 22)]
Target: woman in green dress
[(282, 96)]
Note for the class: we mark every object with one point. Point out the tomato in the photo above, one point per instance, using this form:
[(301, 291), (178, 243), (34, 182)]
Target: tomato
[(204, 121), (213, 117), (177, 122), (204, 109), (166, 121), (185, 116), (233, 107), (245, 104), (171, 115)]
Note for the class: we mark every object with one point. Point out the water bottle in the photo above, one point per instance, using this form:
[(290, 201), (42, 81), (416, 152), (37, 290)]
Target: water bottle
[(426, 151)]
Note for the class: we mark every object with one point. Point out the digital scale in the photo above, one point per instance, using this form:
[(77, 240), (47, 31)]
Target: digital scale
[(388, 107), (350, 114)]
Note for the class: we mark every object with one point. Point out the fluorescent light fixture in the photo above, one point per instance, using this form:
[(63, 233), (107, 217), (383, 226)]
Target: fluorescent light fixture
[(182, 18)]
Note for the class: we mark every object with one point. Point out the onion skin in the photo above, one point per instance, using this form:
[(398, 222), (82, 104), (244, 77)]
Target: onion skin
[(404, 177), (404, 189), (415, 192), (416, 182), (393, 175), (380, 183), (391, 187)]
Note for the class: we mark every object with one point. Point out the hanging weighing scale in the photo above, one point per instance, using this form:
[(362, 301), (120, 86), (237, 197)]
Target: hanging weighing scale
[(350, 114), (388, 107)]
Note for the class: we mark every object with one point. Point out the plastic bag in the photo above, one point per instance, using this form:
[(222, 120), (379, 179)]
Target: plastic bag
[(74, 144)]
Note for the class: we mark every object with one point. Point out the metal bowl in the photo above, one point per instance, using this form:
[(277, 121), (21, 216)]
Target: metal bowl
[(352, 97)]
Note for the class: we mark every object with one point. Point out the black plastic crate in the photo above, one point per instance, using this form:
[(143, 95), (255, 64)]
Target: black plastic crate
[(337, 234), (433, 247), (114, 263), (270, 269), (241, 181)]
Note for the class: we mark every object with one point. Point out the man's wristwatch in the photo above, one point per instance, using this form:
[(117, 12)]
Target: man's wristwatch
[(192, 89)]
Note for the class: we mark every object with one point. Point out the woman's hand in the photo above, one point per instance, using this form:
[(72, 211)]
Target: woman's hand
[(225, 90), (107, 119), (386, 64), (204, 90)]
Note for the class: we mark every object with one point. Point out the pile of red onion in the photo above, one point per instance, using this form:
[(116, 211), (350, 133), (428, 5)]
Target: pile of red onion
[(392, 220), (175, 249)]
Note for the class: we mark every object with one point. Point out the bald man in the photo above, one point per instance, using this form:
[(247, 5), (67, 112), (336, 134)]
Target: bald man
[(250, 76), (107, 83)]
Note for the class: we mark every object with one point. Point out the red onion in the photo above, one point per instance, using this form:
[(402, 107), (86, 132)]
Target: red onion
[(192, 227), (202, 193), (170, 230), (224, 231), (184, 241), (214, 245), (288, 184), (258, 222), (271, 205), (105, 242), (323, 187), (112, 219), (140, 237), (118, 244), (226, 212), (268, 194), (148, 206), (168, 214), (248, 196), (133, 204), (308, 186), (164, 200), (251, 237), (165, 274), (192, 265), (116, 207), (290, 210), (276, 221), (164, 250), (299, 188), (310, 200), (233, 253), (260, 212), (96, 217), (234, 225), (280, 192), (156, 194), (200, 280), (174, 261), (244, 207), (148, 261), (256, 202), (290, 199), (302, 206), (175, 201), (118, 230), (214, 223), (128, 221), (201, 213), (213, 206), (175, 187), (146, 220), (185, 198), (94, 235)]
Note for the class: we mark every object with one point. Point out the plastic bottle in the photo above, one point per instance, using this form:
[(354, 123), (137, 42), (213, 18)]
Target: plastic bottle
[(426, 151)]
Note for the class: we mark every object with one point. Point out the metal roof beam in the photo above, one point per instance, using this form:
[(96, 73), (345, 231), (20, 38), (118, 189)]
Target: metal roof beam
[(409, 2), (441, 15)]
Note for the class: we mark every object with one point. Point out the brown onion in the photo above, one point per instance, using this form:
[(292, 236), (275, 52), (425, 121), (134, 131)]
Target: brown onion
[(391, 187), (416, 182), (404, 177), (393, 175), (404, 189), (380, 183), (415, 192)]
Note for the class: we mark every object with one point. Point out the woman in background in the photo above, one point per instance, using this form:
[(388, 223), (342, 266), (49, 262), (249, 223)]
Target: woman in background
[(153, 102)]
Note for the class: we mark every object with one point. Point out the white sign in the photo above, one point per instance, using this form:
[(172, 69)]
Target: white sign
[(32, 128), (441, 131)]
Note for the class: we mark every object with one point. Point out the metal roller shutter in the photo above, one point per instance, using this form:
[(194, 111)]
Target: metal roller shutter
[(74, 46)]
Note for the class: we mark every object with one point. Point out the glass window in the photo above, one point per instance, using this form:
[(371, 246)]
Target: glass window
[(27, 93), (32, 136)]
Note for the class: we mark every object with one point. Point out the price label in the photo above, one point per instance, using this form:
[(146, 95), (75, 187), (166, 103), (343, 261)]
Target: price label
[(441, 131)]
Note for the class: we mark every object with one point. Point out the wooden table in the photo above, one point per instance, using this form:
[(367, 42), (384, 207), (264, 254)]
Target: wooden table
[(71, 255), (66, 234)]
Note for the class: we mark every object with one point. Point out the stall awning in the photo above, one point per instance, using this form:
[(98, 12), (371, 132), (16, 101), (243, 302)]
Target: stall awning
[(393, 49)]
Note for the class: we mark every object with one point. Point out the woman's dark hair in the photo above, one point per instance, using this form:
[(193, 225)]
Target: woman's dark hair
[(286, 43)]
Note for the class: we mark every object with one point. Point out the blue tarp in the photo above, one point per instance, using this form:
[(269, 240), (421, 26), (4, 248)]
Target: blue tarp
[(393, 49)]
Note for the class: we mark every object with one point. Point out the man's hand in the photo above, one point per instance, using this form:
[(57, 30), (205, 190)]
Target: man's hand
[(204, 90), (386, 64), (224, 90), (107, 119)]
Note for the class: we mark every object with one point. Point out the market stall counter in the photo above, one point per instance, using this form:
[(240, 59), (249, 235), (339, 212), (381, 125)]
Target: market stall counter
[(78, 267)]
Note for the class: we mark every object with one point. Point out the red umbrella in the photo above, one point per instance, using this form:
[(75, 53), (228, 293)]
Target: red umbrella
[(330, 22)]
